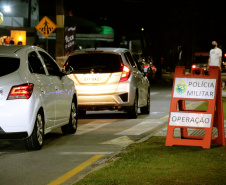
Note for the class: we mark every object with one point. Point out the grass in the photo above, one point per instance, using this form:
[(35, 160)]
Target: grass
[(205, 104), (151, 162)]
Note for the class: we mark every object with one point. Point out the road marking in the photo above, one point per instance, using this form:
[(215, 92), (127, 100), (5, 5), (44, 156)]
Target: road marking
[(169, 95), (142, 127), (74, 171), (85, 153), (91, 126), (165, 117), (121, 141), (157, 112), (153, 93)]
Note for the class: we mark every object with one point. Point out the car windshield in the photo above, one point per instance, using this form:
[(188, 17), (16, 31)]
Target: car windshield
[(8, 65), (95, 62)]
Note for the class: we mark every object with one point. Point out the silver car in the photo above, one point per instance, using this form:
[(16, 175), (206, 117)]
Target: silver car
[(109, 79), (36, 96)]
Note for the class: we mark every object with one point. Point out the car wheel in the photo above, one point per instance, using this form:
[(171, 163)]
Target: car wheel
[(71, 127), (132, 111), (146, 109), (35, 141)]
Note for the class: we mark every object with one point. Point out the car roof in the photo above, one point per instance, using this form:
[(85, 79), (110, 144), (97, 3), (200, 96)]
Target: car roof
[(7, 49), (10, 48), (15, 50), (103, 49)]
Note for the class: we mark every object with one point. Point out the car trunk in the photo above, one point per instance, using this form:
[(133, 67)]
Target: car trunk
[(95, 72), (100, 83)]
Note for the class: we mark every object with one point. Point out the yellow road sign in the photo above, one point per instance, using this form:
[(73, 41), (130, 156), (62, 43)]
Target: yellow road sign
[(45, 26)]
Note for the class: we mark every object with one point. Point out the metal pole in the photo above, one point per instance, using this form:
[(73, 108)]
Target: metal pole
[(60, 28), (47, 48), (29, 14)]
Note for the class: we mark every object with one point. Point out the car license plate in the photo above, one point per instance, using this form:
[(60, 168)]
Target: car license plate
[(92, 79)]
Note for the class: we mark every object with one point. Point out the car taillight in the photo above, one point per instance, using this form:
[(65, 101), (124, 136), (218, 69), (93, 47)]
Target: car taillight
[(154, 68), (145, 66), (125, 74), (193, 66), (22, 91)]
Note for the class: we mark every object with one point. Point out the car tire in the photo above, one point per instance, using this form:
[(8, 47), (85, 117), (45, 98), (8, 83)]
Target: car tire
[(71, 127), (132, 111), (146, 109), (36, 139)]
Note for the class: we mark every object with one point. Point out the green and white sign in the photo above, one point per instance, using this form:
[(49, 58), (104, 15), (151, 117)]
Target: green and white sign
[(190, 119), (194, 88)]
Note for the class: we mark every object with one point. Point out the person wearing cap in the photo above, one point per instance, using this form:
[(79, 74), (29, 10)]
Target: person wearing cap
[(215, 57)]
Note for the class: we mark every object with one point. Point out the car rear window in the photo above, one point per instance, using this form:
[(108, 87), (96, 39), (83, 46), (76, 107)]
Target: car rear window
[(95, 62), (8, 65)]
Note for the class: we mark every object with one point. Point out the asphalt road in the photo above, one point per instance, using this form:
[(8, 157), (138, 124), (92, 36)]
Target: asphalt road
[(100, 135)]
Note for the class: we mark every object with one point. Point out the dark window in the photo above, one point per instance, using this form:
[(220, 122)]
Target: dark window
[(137, 63), (51, 66), (130, 59), (96, 62), (8, 65), (201, 59), (35, 65)]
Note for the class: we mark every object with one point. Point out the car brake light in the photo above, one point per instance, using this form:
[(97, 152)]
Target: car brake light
[(193, 66), (154, 68), (125, 74), (145, 66), (22, 91)]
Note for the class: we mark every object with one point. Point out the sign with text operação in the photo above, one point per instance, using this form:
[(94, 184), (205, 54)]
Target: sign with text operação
[(45, 26), (194, 88), (190, 119)]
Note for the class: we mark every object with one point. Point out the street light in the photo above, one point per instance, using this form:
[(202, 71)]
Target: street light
[(7, 8)]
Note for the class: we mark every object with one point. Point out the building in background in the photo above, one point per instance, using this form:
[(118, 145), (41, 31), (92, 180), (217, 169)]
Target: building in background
[(19, 20)]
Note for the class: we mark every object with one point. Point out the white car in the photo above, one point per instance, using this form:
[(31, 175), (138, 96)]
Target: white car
[(36, 96), (109, 79)]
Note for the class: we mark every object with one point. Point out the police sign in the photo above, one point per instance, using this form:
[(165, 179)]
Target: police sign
[(196, 88)]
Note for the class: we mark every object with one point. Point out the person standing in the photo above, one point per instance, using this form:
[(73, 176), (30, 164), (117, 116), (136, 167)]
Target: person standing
[(215, 57)]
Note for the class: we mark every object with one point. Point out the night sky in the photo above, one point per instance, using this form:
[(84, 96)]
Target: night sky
[(191, 24)]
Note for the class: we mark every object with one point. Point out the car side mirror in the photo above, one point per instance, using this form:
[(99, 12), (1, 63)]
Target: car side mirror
[(69, 70)]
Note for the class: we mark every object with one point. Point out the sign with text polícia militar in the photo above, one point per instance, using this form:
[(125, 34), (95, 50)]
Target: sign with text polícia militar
[(194, 88), (190, 119)]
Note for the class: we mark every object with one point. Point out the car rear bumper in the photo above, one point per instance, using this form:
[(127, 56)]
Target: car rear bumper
[(12, 135), (17, 116), (121, 99)]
